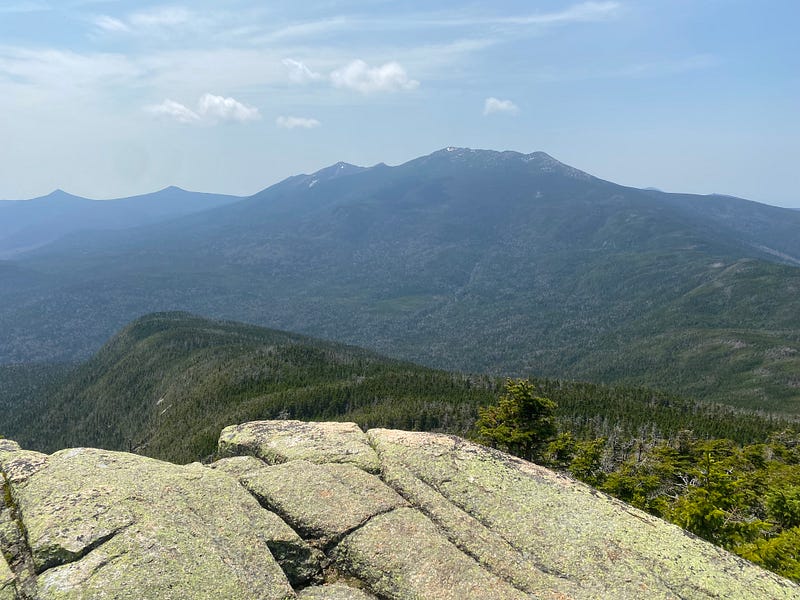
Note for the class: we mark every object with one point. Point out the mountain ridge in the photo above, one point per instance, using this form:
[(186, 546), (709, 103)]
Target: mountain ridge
[(464, 259)]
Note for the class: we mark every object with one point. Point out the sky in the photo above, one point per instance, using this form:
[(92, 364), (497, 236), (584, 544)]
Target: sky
[(112, 98)]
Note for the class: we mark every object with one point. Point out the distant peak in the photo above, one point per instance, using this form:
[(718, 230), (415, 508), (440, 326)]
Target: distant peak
[(541, 161), (59, 194), (338, 169)]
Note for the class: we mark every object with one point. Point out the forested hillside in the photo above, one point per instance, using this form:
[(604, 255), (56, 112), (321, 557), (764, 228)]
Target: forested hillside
[(167, 384)]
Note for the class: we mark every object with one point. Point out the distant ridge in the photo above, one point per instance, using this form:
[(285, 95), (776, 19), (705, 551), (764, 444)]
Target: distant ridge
[(465, 259), (30, 224)]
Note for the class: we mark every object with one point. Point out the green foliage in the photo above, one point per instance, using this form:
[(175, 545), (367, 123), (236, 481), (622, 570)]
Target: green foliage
[(167, 384), (521, 422), (745, 498), (780, 553), (783, 506)]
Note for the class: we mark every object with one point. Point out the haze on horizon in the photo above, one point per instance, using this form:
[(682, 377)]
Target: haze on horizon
[(112, 98)]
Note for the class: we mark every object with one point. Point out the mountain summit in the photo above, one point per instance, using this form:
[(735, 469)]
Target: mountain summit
[(464, 259)]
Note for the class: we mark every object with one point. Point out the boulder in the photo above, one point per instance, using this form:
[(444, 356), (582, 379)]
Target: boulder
[(321, 502), (113, 525), (281, 441)]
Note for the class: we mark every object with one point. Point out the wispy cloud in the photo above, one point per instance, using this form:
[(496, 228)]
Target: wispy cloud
[(495, 105), (51, 69), (174, 110), (24, 7), (295, 122), (577, 13), (299, 72), (359, 76), (210, 109), (152, 21), (111, 24), (667, 67), (586, 11), (165, 16), (310, 29)]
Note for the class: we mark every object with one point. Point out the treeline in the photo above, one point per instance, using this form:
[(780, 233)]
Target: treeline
[(743, 497), (167, 384)]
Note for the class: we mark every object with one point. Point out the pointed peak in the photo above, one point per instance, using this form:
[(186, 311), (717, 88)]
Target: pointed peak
[(338, 169), (59, 194)]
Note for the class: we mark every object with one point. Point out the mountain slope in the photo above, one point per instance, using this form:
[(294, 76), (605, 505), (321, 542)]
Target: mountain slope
[(473, 260), (167, 383)]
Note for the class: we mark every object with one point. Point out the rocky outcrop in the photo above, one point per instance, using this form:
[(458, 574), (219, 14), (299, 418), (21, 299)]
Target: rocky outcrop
[(323, 511), (277, 442)]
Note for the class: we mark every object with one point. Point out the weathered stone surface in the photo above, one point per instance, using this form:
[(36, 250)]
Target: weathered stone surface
[(468, 534), (7, 587), (321, 502), (300, 562), (236, 466), (18, 465), (9, 445), (113, 525), (604, 547), (281, 441), (403, 556), (334, 591), (449, 519)]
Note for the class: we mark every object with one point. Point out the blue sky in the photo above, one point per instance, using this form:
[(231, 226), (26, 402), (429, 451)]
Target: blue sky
[(108, 98)]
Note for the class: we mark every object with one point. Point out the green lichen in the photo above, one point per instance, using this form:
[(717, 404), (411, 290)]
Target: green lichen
[(608, 549)]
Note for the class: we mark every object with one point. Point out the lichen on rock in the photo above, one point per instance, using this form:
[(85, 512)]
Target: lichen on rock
[(442, 519), (321, 502), (566, 528), (7, 586), (281, 441), (335, 591), (113, 525), (401, 554)]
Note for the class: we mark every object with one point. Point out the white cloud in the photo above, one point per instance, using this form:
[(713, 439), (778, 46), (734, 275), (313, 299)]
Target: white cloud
[(293, 122), (299, 72), (107, 23), (359, 76), (219, 108), (495, 105), (174, 110), (210, 109)]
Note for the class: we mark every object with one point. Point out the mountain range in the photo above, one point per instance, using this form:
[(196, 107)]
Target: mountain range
[(29, 224), (494, 262)]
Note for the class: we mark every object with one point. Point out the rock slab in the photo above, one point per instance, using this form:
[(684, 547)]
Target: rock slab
[(325, 512), (106, 524), (281, 441)]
